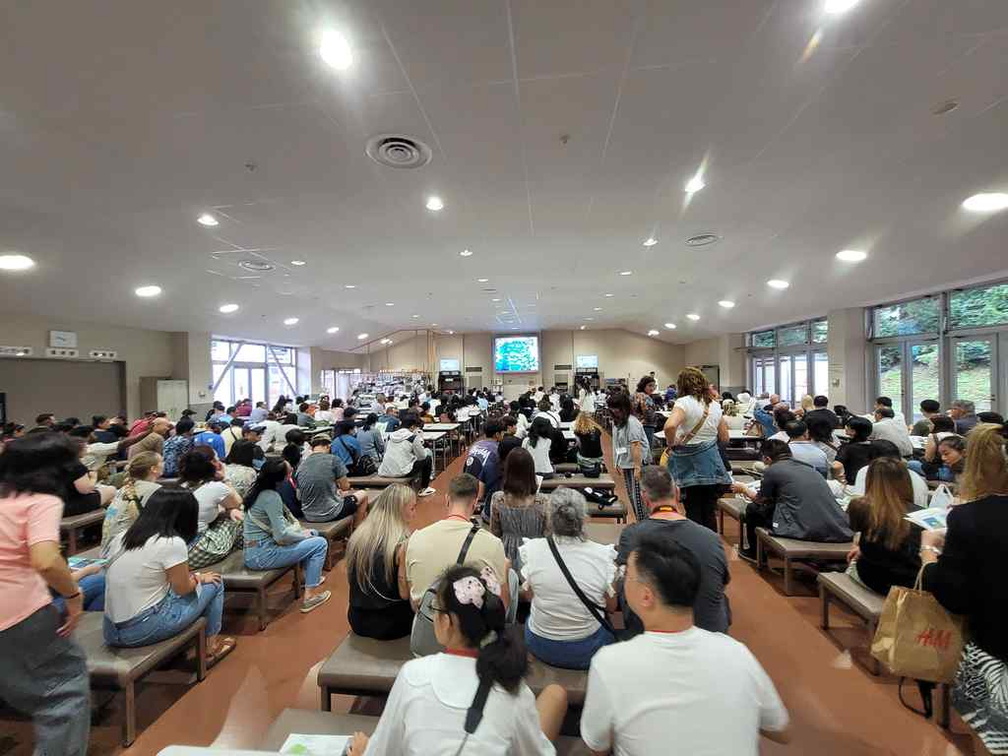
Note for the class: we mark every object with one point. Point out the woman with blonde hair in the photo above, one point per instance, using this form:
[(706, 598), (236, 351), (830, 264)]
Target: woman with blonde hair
[(376, 567), (807, 405), (692, 433), (589, 440), (142, 473), (962, 565), (887, 544)]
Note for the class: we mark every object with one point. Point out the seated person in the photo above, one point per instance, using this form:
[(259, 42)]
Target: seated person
[(177, 445), (231, 434), (141, 473), (376, 567), (856, 453), (667, 520), (884, 402), (820, 431), (782, 416), (219, 507), (887, 547), (930, 409), (794, 501), (425, 413), (150, 593), (211, 437), (538, 444), (675, 683), (160, 427), (821, 411), (931, 467), (239, 466), (889, 429), (509, 440), (589, 440), (306, 415), (345, 445), (952, 451), (518, 511), (561, 629), (273, 538), (545, 410), (324, 488), (803, 449), (405, 454), (886, 449), (370, 439), (472, 694), (568, 412), (323, 414), (80, 492), (294, 448), (733, 419)]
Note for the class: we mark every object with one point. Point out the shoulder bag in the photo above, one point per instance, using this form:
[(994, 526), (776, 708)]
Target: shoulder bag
[(696, 428), (359, 466)]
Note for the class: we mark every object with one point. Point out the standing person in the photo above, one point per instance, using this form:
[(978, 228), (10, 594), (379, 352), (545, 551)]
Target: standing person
[(150, 593), (518, 511), (586, 397), (960, 565), (273, 538), (667, 521), (692, 432), (405, 454), (675, 682), (483, 463), (43, 672), (628, 444), (644, 408), (376, 567)]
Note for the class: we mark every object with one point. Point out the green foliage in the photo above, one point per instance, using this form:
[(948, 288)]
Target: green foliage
[(975, 308)]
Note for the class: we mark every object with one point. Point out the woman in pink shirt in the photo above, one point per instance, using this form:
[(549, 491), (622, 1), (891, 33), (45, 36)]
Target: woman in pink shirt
[(43, 672)]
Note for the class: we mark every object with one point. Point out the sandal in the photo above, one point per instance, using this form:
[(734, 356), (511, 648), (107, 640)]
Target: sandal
[(315, 601), (225, 647)]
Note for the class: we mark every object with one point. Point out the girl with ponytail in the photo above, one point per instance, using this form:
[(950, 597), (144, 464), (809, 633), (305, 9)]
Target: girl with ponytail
[(472, 695), (141, 473)]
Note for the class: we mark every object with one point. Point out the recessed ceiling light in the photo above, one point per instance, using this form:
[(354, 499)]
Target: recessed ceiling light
[(16, 262), (650, 241), (349, 286), (435, 203), (451, 333), (148, 291), (386, 341), (414, 316), (626, 272), (361, 336), (989, 202), (835, 7), (332, 329), (726, 303), (582, 327), (597, 309), (433, 325), (607, 295), (207, 220), (335, 50), (482, 280), (496, 299), (390, 304), (298, 263), (693, 316), (589, 318), (652, 332), (228, 308), (670, 326), (465, 253), (695, 184), (851, 255), (291, 321), (776, 283)]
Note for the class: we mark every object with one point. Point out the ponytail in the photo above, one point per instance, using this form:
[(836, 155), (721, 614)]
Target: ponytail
[(986, 469), (139, 468)]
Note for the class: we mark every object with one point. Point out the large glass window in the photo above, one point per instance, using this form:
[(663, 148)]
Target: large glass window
[(820, 331), (253, 373), (977, 308), (907, 318), (783, 362), (890, 372), (820, 373), (792, 335), (974, 374), (763, 339), (784, 372), (925, 376)]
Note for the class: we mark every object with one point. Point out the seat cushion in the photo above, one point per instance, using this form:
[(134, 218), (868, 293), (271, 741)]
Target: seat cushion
[(601, 483), (238, 577), (119, 665), (866, 603), (794, 549), (333, 530), (732, 506), (378, 481)]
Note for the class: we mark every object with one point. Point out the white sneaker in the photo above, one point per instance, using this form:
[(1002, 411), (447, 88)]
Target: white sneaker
[(427, 491)]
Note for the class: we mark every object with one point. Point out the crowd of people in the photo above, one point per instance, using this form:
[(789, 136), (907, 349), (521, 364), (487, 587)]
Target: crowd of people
[(507, 569)]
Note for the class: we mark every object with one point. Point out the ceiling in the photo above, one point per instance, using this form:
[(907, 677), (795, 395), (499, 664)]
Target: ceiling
[(121, 122)]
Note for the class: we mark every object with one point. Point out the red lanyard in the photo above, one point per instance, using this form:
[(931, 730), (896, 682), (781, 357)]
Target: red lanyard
[(457, 517), (469, 652), (664, 508)]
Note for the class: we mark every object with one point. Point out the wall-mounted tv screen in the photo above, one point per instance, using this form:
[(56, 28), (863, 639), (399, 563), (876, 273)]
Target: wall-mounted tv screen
[(587, 361), (516, 354), (449, 365)]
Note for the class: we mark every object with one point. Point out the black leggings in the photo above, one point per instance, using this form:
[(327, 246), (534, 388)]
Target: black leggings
[(701, 504), (755, 518), (423, 467)]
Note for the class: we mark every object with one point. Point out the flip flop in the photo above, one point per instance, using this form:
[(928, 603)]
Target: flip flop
[(315, 602), (227, 645)]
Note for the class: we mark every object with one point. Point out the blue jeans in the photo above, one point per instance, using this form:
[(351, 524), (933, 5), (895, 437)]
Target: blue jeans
[(310, 553), (567, 654), (169, 617), (697, 465), (943, 474), (93, 589)]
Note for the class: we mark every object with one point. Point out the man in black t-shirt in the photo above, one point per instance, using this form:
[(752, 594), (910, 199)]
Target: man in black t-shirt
[(509, 440), (822, 410)]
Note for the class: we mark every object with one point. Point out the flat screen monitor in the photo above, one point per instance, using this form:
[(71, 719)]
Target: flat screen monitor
[(516, 354), (448, 365), (587, 361)]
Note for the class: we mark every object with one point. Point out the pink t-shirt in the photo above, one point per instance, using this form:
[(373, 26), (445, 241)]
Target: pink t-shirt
[(25, 520)]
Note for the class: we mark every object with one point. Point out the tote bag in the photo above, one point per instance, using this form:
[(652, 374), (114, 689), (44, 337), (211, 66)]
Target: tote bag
[(917, 637)]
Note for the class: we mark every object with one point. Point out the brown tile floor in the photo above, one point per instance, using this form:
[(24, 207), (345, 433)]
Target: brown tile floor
[(836, 707)]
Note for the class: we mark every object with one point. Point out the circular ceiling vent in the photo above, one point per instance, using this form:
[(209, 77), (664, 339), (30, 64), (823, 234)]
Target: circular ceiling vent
[(702, 240), (398, 151), (257, 266)]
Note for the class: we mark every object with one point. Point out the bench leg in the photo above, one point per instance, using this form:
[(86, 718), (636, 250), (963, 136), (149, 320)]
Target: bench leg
[(201, 655), (944, 701), (760, 554), (72, 542), (326, 701), (874, 666), (824, 599), (129, 723), (299, 579), (720, 522), (262, 609), (787, 576)]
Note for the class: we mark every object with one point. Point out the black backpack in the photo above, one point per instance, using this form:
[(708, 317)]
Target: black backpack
[(359, 466)]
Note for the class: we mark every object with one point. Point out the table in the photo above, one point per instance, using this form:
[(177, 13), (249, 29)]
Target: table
[(456, 438), (434, 437), (604, 532), (569, 435)]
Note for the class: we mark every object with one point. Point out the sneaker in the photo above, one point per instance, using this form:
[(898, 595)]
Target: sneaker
[(315, 602), (427, 491), (749, 555)]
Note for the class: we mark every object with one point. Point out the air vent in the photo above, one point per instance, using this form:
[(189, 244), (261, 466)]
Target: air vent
[(398, 151), (62, 353), (102, 354), (562, 367), (702, 240), (257, 266), (474, 370), (15, 351)]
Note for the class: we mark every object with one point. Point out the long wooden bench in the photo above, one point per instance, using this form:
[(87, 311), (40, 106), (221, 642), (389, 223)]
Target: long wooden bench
[(617, 510), (367, 667), (572, 467), (72, 526), (732, 506), (866, 604), (122, 668), (381, 482), (240, 579), (791, 550), (326, 723), (335, 532)]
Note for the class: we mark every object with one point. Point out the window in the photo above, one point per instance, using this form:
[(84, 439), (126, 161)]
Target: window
[(977, 308), (906, 318), (254, 373), (974, 374), (820, 330), (792, 335), (782, 362), (820, 374), (220, 351), (924, 376), (890, 371), (763, 338)]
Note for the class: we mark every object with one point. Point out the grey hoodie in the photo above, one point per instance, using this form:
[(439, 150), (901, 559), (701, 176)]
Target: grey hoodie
[(403, 449)]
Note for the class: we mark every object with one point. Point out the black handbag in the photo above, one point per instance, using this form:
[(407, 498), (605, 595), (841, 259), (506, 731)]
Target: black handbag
[(359, 466)]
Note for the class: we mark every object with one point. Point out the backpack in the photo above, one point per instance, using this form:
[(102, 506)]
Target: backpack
[(359, 466)]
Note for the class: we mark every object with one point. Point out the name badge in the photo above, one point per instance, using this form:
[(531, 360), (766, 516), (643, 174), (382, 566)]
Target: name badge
[(621, 450)]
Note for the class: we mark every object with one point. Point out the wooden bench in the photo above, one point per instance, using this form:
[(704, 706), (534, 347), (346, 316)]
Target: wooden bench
[(122, 668), (72, 526), (326, 723), (380, 482), (604, 532), (791, 550), (336, 532), (240, 579), (602, 483), (732, 506), (572, 467), (866, 604), (367, 667)]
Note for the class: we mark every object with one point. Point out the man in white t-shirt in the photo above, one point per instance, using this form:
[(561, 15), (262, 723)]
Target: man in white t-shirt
[(676, 684)]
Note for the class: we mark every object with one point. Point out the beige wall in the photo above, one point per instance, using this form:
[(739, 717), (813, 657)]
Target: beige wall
[(328, 359), (727, 352), (848, 366), (144, 353)]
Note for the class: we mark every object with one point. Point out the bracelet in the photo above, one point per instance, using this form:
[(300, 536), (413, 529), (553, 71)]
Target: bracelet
[(933, 549), (72, 596)]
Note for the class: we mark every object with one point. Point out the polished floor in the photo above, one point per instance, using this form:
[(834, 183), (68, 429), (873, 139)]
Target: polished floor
[(837, 708)]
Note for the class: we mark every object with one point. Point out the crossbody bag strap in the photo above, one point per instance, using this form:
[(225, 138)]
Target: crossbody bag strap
[(696, 428), (349, 450), (596, 611), (467, 543)]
